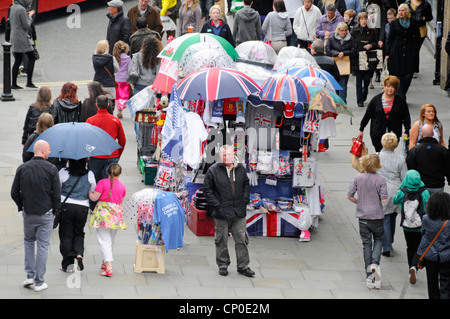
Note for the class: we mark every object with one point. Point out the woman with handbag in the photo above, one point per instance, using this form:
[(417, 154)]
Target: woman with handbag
[(387, 112), (435, 246), (77, 186), (105, 65), (365, 40)]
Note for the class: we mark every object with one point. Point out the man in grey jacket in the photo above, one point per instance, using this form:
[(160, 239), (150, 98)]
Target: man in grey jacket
[(227, 192), (21, 21), (247, 24)]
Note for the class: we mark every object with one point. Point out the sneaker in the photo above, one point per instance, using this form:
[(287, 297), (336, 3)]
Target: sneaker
[(305, 235), (20, 69), (370, 282), (31, 86), (376, 273), (412, 275), (371, 86), (247, 272), (223, 272), (28, 282), (41, 287)]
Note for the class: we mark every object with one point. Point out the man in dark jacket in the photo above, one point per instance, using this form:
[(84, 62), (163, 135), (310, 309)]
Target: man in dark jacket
[(139, 36), (431, 160), (227, 192), (37, 192), (119, 27)]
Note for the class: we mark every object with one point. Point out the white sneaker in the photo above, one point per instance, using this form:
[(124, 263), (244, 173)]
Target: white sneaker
[(28, 282), (41, 287), (376, 274)]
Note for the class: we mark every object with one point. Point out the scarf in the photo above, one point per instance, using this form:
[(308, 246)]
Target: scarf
[(344, 39), (404, 24)]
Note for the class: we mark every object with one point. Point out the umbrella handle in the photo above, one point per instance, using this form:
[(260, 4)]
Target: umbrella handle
[(281, 123)]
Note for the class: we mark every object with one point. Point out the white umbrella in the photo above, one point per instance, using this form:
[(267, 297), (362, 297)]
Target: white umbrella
[(288, 53)]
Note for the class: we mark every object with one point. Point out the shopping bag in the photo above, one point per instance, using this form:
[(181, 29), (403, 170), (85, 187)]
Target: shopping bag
[(343, 65), (357, 146), (370, 60)]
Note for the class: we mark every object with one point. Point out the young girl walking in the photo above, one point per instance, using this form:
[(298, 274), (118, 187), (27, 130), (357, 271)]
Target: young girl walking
[(108, 216), (372, 193), (123, 89)]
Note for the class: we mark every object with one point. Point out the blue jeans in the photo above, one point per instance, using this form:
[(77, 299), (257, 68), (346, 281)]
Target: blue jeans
[(389, 231), (343, 80), (435, 190), (362, 85), (98, 166), (371, 232)]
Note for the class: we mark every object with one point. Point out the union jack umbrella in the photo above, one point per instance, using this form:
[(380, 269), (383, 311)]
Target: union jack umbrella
[(305, 71), (285, 88), (212, 84)]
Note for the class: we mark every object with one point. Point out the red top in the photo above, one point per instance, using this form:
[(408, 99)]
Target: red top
[(112, 125)]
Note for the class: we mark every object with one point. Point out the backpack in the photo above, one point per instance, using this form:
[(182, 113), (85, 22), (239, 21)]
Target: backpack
[(412, 208)]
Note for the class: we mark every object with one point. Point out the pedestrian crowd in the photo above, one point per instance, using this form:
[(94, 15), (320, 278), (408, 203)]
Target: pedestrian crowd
[(405, 176)]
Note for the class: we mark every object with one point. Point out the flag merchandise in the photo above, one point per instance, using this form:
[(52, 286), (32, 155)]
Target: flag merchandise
[(173, 129), (312, 121), (272, 224), (304, 172)]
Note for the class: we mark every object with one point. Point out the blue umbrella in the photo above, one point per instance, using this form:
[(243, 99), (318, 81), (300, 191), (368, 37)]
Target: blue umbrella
[(310, 71), (77, 140)]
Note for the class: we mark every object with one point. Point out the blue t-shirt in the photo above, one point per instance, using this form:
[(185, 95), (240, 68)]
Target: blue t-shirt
[(169, 213)]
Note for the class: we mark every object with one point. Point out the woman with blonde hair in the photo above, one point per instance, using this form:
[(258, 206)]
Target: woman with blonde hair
[(217, 26), (44, 122), (108, 216), (42, 104), (123, 90), (393, 169), (105, 65), (190, 16), (427, 115), (372, 193)]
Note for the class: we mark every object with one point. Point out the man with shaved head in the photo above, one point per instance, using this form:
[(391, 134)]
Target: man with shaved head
[(37, 193), (431, 160)]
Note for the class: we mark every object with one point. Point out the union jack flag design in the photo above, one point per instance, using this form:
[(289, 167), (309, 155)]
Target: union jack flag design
[(281, 224), (312, 121)]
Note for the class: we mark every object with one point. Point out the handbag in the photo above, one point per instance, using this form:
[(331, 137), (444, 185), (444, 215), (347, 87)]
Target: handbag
[(357, 146), (56, 220), (420, 263), (115, 82), (370, 60), (36, 54), (133, 72)]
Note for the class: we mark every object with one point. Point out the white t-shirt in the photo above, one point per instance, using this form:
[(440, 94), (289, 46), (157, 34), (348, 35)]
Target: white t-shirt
[(64, 176)]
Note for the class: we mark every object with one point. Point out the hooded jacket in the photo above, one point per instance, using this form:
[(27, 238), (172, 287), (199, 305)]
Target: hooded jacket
[(440, 250), (65, 111), (219, 195), (20, 27), (324, 25), (413, 183), (277, 26), (247, 25), (100, 61)]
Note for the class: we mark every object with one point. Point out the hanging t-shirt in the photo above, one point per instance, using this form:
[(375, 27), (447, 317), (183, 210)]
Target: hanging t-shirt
[(260, 123), (169, 214), (290, 133)]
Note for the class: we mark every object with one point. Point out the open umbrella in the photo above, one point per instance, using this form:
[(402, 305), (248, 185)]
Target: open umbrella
[(284, 88), (77, 140), (311, 71), (131, 207), (175, 49), (207, 59), (325, 100), (256, 51), (215, 84), (289, 54), (166, 77), (194, 48), (315, 81)]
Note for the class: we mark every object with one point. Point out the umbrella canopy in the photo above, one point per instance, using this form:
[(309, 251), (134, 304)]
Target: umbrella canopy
[(207, 59), (215, 84), (256, 51), (145, 98), (145, 196), (194, 48), (325, 100), (285, 88), (175, 49), (314, 81), (76, 140), (166, 77), (313, 72), (257, 73), (289, 53)]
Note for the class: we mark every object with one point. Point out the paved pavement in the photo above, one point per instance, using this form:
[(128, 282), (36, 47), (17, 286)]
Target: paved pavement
[(330, 266)]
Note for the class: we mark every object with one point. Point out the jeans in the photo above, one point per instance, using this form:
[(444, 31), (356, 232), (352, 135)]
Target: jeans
[(237, 226), (362, 85), (371, 232), (438, 279), (435, 190), (389, 231), (343, 82), (71, 232), (37, 235)]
